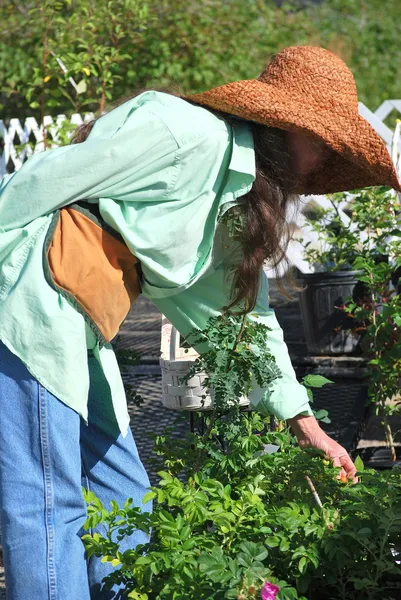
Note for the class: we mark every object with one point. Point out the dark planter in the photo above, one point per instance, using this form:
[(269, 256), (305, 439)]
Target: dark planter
[(327, 327), (379, 457)]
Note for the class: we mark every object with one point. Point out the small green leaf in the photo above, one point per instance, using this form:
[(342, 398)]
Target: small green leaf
[(81, 87), (316, 381), (149, 496), (322, 415), (359, 464), (302, 564), (365, 532)]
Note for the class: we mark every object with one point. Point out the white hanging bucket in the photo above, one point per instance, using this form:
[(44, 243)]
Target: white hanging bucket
[(175, 363)]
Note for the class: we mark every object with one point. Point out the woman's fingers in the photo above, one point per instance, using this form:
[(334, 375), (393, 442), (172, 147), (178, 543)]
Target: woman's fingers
[(342, 459), (337, 463), (348, 465), (310, 435)]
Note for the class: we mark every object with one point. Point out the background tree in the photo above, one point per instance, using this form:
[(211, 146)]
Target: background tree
[(110, 48)]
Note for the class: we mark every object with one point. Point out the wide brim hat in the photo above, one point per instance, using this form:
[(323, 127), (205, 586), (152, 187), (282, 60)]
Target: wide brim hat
[(309, 89)]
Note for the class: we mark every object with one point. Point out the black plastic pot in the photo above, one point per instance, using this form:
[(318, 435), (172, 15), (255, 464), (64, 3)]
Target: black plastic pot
[(327, 327), (379, 457)]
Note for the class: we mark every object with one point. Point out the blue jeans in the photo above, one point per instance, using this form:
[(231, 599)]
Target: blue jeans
[(46, 454)]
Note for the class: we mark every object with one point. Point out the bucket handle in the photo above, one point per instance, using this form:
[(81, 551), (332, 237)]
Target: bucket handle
[(170, 340)]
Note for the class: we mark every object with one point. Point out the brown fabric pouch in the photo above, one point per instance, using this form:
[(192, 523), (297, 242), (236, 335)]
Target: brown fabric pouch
[(93, 268)]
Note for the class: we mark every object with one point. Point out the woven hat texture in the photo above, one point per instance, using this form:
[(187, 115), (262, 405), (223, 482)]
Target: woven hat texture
[(309, 89)]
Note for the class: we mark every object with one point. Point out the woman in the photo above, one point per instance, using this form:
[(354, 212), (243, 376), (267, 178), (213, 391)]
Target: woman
[(154, 179)]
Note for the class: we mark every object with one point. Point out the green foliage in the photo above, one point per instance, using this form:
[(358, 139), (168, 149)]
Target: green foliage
[(235, 221), (337, 242), (112, 47), (245, 516), (236, 353), (60, 40), (231, 512), (370, 243), (316, 381), (372, 217), (235, 356)]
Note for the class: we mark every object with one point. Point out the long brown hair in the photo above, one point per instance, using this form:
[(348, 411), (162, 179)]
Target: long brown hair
[(265, 235)]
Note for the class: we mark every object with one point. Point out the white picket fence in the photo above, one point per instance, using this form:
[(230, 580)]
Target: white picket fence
[(21, 140)]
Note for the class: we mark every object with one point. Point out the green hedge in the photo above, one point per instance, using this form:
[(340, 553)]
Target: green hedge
[(113, 47)]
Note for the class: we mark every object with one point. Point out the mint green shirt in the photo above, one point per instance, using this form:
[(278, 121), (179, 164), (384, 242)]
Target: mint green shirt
[(163, 173)]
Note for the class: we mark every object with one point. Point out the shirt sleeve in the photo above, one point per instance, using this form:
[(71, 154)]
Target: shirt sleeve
[(129, 149), (286, 397)]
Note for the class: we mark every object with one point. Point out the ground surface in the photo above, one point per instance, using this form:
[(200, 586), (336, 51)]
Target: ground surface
[(141, 333)]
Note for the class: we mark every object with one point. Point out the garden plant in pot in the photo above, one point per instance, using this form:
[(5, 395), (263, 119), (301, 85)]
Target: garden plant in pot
[(241, 512), (367, 242), (328, 329)]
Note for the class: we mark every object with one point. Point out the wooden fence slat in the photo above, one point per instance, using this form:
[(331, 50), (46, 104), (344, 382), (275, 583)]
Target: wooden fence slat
[(385, 132)]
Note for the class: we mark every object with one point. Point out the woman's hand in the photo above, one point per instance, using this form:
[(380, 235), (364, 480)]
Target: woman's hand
[(310, 435)]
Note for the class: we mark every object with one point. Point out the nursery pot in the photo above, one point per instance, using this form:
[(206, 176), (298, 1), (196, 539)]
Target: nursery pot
[(380, 457), (327, 327)]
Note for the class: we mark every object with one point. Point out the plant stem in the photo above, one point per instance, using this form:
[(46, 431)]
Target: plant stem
[(342, 583), (204, 439), (209, 428), (382, 546), (314, 492), (241, 331), (389, 438), (102, 102)]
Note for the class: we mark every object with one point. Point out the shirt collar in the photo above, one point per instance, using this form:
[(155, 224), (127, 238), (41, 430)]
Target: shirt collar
[(243, 153), (241, 169)]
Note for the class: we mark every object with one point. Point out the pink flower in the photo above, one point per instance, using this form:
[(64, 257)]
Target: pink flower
[(269, 591)]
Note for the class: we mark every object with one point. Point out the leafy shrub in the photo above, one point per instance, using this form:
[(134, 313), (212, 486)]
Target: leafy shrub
[(247, 516), (111, 47), (368, 240), (233, 513)]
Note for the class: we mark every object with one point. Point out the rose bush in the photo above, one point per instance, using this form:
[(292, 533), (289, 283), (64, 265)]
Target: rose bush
[(248, 517)]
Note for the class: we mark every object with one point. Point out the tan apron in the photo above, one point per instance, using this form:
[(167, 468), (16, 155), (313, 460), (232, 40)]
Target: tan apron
[(91, 266)]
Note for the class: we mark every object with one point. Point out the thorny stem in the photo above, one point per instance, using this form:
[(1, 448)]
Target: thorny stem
[(335, 208), (314, 492), (373, 555), (342, 583), (389, 437), (102, 101), (317, 498), (239, 336)]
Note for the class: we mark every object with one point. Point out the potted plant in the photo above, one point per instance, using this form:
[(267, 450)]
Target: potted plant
[(368, 245), (380, 313), (328, 329)]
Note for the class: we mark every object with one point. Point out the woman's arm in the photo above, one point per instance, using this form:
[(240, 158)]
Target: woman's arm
[(287, 399)]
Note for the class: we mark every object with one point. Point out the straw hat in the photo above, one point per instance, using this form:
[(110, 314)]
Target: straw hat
[(309, 89)]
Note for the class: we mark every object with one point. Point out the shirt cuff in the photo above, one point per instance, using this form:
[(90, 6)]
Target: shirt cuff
[(284, 401)]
